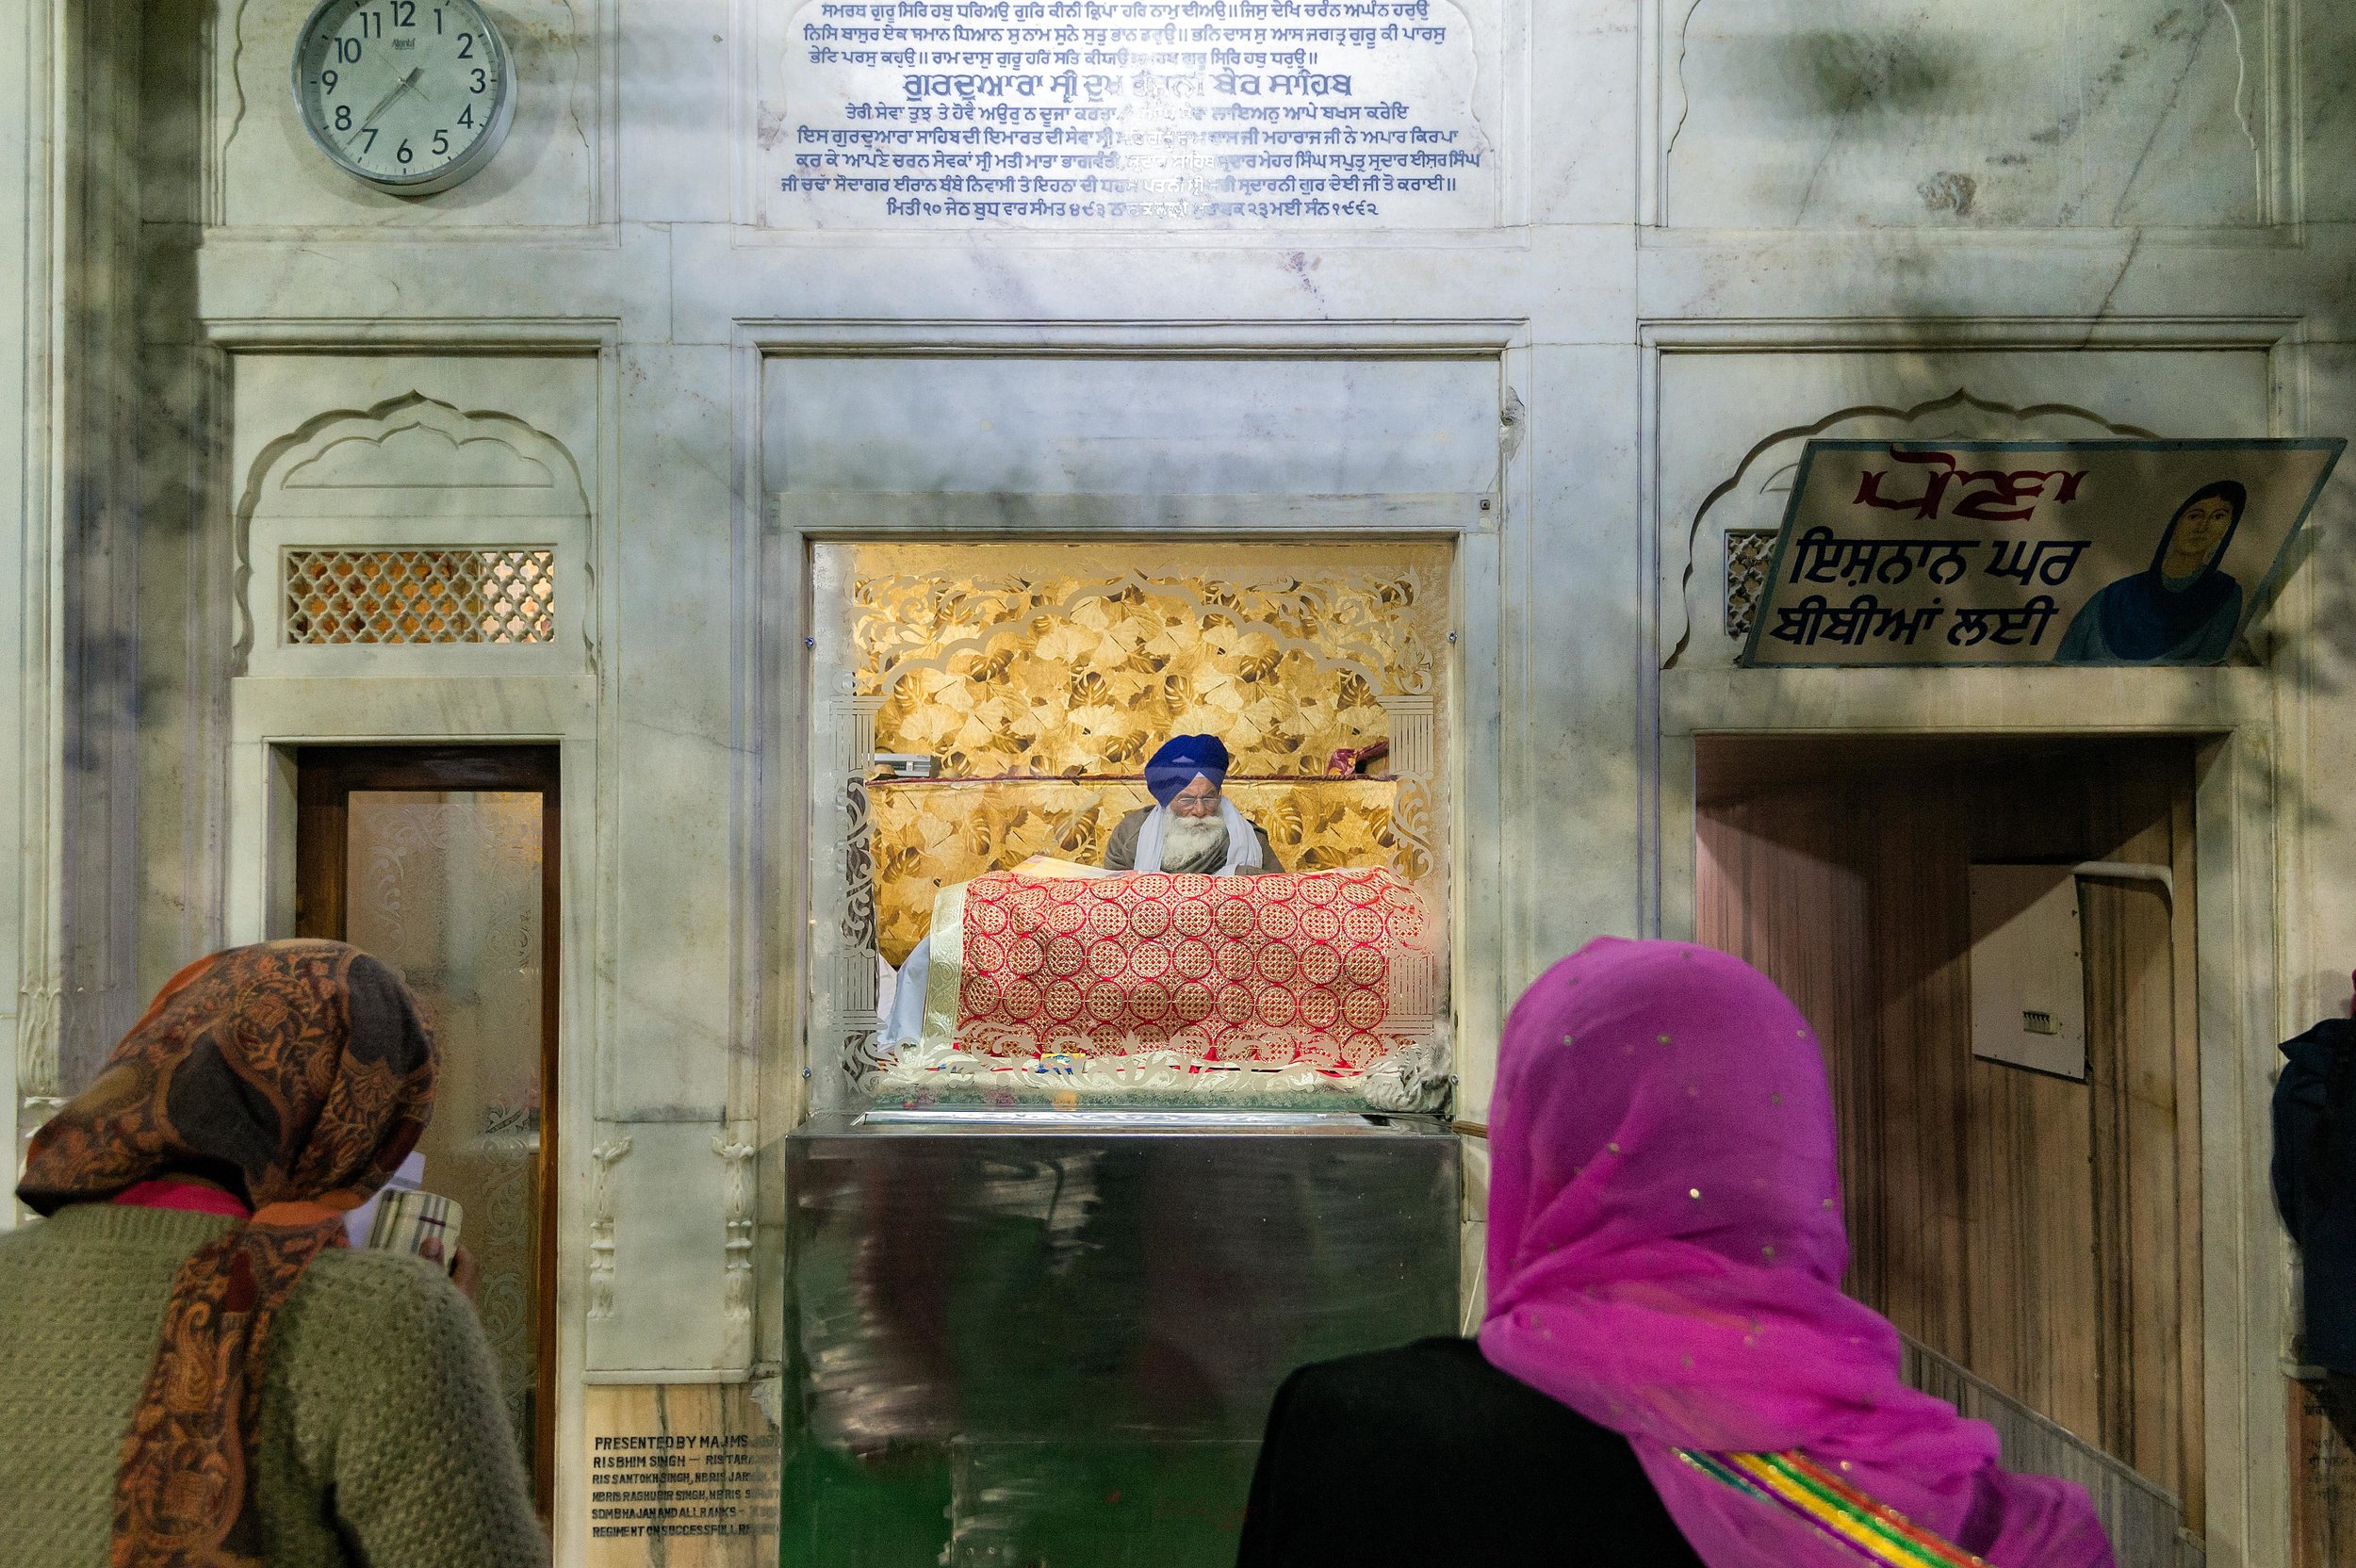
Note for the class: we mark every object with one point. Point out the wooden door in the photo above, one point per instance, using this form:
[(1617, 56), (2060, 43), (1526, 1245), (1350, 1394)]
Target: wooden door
[(2042, 1232), (443, 862)]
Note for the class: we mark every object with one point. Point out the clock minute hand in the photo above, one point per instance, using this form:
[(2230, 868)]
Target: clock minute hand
[(386, 102)]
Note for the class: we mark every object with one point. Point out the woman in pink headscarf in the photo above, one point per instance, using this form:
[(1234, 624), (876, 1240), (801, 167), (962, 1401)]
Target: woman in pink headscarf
[(1665, 1253)]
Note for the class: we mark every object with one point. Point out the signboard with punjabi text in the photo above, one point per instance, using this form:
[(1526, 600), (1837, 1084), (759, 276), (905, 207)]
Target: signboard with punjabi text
[(2031, 552)]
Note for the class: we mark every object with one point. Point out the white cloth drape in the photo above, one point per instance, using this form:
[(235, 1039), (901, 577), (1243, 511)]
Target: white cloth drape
[(1243, 844), (904, 1024)]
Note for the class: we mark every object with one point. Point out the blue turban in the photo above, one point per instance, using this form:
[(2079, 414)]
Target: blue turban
[(1183, 759)]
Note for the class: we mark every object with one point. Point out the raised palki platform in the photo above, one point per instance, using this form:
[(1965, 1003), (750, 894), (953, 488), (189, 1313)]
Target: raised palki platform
[(1060, 982)]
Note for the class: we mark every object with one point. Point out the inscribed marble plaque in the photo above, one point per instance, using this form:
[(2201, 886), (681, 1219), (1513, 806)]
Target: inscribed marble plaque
[(680, 1474), (1128, 114)]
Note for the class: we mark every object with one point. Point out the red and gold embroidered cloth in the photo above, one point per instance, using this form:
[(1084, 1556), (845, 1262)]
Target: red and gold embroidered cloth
[(1245, 971)]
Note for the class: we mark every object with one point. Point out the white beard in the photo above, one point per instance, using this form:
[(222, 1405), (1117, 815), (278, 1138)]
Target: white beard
[(1190, 840)]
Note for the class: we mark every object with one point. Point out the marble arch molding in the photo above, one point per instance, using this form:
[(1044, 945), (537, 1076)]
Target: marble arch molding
[(415, 479), (1751, 500)]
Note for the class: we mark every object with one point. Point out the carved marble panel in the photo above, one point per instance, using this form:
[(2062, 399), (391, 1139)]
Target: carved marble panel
[(1748, 551), (2008, 113), (1122, 424), (659, 1281), (2327, 62), (375, 492)]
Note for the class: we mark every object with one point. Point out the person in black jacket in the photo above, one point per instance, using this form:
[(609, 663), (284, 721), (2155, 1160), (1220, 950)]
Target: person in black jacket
[(2314, 1186), (1667, 1373), (1433, 1420)]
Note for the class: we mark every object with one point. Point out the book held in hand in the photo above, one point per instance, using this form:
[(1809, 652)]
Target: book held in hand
[(361, 1222), (421, 1223)]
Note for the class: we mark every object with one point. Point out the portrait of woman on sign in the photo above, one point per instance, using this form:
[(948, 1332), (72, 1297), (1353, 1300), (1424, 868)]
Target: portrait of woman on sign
[(2180, 610)]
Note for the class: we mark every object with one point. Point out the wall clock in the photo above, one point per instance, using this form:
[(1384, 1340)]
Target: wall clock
[(410, 96)]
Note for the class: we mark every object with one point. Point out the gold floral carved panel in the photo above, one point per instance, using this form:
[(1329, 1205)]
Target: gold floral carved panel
[(1074, 659)]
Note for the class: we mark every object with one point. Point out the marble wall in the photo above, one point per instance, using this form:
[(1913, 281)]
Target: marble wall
[(1709, 229), (1909, 113)]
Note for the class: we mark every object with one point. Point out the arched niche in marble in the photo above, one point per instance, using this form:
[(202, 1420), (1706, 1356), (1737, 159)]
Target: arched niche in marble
[(415, 537)]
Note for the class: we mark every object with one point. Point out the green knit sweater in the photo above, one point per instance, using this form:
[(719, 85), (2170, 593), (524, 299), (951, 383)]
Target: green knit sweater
[(383, 1441)]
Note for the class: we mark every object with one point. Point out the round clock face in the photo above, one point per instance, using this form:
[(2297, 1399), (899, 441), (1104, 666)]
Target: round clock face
[(410, 95)]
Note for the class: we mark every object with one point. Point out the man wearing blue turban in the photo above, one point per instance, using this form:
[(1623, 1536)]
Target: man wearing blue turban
[(1191, 827)]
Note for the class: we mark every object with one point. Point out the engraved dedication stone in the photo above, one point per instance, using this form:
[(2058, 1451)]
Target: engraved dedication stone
[(1127, 114), (680, 1476)]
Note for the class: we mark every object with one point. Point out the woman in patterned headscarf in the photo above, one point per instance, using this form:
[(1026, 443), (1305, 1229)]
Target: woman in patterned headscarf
[(194, 1371)]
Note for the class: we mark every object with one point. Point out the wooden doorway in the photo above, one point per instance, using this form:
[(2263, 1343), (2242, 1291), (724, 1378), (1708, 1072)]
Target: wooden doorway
[(2041, 1232), (443, 861)]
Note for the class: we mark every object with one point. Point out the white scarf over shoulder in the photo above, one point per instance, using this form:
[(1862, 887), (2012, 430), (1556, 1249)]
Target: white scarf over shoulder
[(1243, 842)]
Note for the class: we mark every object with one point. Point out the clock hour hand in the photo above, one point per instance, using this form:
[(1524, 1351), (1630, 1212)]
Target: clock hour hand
[(386, 102)]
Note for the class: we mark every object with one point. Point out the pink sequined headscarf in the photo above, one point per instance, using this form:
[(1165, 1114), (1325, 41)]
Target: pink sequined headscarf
[(1665, 1253)]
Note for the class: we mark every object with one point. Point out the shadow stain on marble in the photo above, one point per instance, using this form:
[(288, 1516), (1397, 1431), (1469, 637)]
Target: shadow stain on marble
[(1841, 74)]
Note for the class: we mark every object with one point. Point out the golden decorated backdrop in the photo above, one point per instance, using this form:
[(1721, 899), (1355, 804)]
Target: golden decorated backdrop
[(1076, 660), (927, 836)]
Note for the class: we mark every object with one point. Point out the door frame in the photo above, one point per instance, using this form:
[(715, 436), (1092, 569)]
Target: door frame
[(2245, 1265), (326, 779)]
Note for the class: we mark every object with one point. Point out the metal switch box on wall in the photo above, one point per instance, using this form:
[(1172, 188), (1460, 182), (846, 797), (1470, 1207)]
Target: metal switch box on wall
[(2028, 969)]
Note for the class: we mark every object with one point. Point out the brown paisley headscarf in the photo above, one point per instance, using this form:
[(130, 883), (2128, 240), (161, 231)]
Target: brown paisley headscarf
[(299, 1074)]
